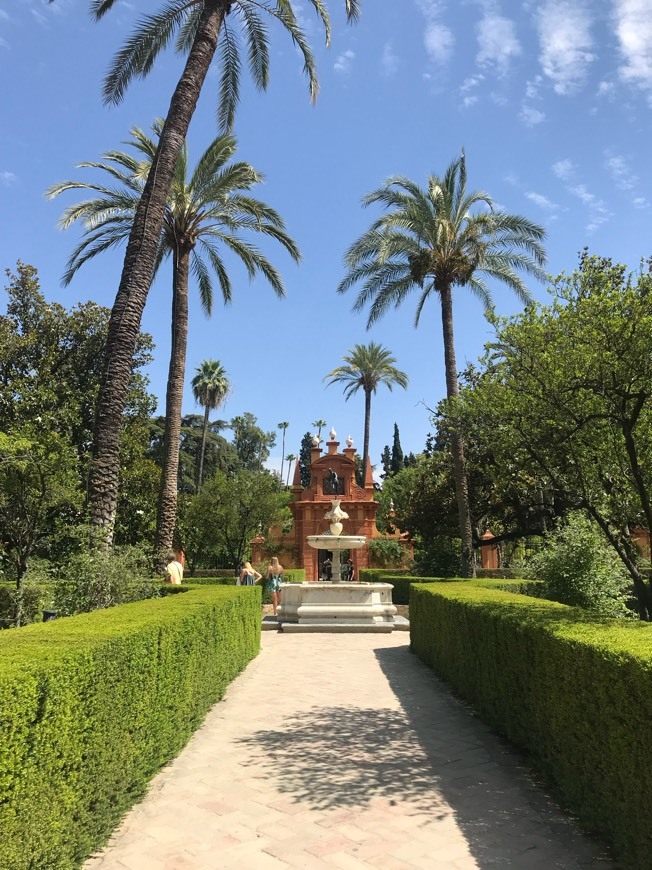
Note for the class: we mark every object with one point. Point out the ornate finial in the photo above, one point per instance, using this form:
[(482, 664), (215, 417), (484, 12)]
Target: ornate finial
[(349, 442), (391, 507), (333, 433), (315, 440)]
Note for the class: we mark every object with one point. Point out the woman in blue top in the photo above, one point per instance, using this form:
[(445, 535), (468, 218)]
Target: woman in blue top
[(249, 576), (274, 580)]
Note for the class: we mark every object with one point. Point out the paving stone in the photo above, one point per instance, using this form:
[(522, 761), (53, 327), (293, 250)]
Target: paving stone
[(344, 751)]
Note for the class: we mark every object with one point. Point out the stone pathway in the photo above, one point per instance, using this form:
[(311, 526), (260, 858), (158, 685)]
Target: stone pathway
[(344, 751)]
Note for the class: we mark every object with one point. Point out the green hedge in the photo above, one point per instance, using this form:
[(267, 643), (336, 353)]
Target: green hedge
[(575, 692), (93, 705)]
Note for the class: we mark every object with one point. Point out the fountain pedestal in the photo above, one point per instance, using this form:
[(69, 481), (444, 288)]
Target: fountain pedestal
[(336, 607)]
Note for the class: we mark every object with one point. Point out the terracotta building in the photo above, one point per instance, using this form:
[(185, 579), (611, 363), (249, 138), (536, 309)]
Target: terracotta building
[(332, 476)]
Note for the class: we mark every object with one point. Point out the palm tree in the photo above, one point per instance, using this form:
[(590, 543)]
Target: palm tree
[(197, 24), (319, 425), (283, 427), (204, 214), (431, 240), (290, 459), (366, 367), (210, 387)]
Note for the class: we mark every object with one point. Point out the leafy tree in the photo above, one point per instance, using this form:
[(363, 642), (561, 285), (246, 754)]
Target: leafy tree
[(50, 371), (252, 445), (433, 240), (565, 396), (304, 459), (397, 452), (205, 214), (366, 367), (210, 387), (198, 25), (39, 490), (227, 512)]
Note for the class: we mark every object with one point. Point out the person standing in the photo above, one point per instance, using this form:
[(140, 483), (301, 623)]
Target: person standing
[(173, 570), (274, 580), (249, 576)]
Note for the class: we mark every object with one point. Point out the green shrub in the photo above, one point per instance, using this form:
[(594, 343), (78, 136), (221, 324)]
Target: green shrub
[(36, 599), (439, 557), (578, 568), (572, 690), (93, 705), (386, 552), (91, 581)]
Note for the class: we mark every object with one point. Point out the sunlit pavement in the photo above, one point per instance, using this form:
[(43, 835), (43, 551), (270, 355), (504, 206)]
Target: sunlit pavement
[(344, 751)]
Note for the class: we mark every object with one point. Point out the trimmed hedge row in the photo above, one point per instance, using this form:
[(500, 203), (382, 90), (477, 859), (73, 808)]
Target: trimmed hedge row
[(573, 691), (93, 705)]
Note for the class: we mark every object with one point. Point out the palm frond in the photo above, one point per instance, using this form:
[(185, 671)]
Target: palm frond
[(285, 14), (203, 277), (229, 90), (219, 152), (257, 40), (218, 267), (136, 58)]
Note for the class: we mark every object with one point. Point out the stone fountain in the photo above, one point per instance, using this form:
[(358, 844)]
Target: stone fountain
[(335, 605)]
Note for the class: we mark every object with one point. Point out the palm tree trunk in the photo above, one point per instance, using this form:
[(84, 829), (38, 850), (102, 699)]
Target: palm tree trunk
[(137, 274), (167, 500), (204, 435), (367, 427), (457, 445)]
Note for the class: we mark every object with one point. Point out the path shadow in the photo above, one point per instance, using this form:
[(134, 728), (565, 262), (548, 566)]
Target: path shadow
[(429, 757), (500, 805)]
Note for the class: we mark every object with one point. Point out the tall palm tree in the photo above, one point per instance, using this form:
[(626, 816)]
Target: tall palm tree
[(366, 367), (283, 427), (205, 213), (198, 24), (290, 459), (432, 240), (210, 387), (319, 425)]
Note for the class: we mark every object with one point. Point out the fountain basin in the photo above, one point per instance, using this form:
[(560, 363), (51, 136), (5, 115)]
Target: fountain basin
[(333, 607), (336, 542)]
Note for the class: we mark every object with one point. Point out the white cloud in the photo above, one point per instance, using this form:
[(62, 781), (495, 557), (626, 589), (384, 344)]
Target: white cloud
[(542, 201), (531, 116), (564, 169), (7, 178), (437, 37), (598, 211), (498, 42), (620, 172), (565, 42), (344, 62), (439, 41), (634, 30), (390, 61), (640, 202), (532, 88)]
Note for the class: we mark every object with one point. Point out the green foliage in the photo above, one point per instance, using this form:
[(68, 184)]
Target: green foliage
[(95, 704), (386, 552), (572, 690), (578, 567), (397, 461), (304, 460), (94, 580), (227, 513), (35, 599), (251, 443), (564, 402), (438, 557)]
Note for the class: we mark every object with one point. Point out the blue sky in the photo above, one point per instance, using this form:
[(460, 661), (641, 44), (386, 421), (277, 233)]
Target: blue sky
[(552, 101)]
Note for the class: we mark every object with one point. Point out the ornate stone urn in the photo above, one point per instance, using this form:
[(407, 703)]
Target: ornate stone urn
[(336, 515)]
